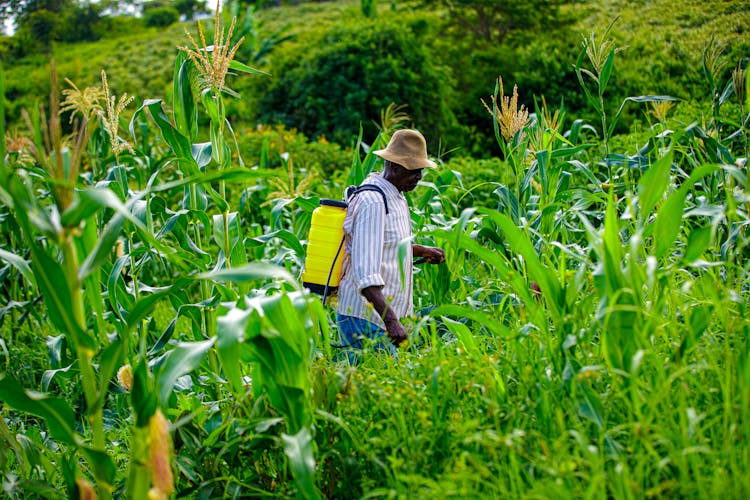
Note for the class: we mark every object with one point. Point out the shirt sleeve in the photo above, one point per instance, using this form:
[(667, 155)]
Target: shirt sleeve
[(367, 239)]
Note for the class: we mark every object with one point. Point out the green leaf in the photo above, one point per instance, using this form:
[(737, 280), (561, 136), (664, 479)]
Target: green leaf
[(700, 319), (463, 334), (119, 298), (299, 449), (521, 244), (288, 237), (606, 72), (669, 217), (103, 465), (233, 225), (727, 93), (202, 153), (143, 396), (230, 335), (56, 292), (56, 412), (653, 183), (103, 249), (642, 98), (146, 303), (237, 174), (498, 263), (185, 111), (49, 375), (561, 153), (181, 360), (698, 242), (243, 68), (251, 272), (481, 318), (112, 358), (612, 247), (178, 142), (87, 202), (580, 71), (19, 263), (211, 105)]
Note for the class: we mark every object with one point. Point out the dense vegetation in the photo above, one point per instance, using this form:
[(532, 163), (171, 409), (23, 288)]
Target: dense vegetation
[(669, 37), (586, 337)]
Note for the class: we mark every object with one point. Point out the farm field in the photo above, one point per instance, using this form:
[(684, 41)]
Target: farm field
[(586, 337)]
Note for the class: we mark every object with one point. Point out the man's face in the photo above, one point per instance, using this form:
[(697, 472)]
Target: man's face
[(404, 179)]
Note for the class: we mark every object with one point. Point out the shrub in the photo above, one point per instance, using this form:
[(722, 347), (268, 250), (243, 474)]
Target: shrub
[(41, 27), (331, 86), (159, 17), (80, 24), (115, 26), (319, 155)]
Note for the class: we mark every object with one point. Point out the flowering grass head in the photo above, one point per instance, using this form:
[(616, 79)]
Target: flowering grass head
[(86, 102), (111, 116), (506, 112), (213, 61)]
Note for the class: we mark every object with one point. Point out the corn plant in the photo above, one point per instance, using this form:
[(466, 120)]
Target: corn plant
[(274, 335), (601, 57)]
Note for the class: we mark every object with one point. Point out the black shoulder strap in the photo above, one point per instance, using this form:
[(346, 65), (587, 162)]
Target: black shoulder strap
[(352, 191)]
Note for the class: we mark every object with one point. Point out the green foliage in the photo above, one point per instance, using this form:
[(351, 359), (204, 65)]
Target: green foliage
[(349, 75), (41, 28), (256, 45), (369, 8), (189, 8), (492, 21), (81, 23), (160, 17), (319, 155)]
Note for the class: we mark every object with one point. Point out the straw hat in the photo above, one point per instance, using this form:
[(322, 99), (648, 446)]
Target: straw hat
[(407, 148)]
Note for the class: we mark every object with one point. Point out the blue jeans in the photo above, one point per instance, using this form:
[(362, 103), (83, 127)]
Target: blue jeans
[(357, 333)]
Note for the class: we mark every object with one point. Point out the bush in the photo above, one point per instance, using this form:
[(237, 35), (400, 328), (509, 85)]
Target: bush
[(80, 24), (320, 155), (160, 17), (332, 85), (115, 26), (40, 27)]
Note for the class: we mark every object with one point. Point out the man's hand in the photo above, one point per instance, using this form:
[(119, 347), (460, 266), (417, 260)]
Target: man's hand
[(433, 255), (396, 331), (393, 326)]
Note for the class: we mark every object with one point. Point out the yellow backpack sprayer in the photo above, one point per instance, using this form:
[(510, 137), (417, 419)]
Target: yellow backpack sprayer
[(324, 258)]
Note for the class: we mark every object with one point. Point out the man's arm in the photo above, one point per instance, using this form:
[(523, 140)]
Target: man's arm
[(433, 255), (394, 328)]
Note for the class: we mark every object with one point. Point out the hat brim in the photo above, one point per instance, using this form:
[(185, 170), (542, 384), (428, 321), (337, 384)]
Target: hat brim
[(408, 162)]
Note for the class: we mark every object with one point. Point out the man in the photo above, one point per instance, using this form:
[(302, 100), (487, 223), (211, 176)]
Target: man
[(374, 293)]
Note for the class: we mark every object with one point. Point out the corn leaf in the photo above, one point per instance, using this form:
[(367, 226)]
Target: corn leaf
[(653, 183), (181, 360), (19, 263), (298, 447), (185, 110), (669, 217), (56, 412)]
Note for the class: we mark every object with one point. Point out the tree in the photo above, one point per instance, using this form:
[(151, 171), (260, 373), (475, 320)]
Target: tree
[(42, 27), (491, 21), (189, 8), (18, 10), (79, 23)]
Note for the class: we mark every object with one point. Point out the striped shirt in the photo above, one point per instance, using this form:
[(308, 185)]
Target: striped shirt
[(371, 252)]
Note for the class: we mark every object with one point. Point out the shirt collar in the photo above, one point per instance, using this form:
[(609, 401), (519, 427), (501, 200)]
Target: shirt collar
[(388, 188)]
